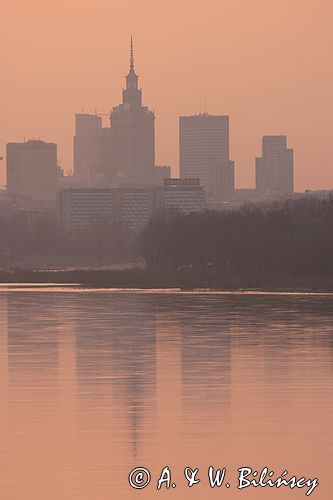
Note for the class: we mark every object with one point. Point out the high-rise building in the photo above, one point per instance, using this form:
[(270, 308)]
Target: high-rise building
[(122, 155), (275, 168), (88, 128), (133, 135), (92, 151), (32, 170), (204, 154)]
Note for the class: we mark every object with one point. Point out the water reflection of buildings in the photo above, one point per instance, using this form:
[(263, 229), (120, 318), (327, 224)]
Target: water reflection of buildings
[(206, 358), (114, 339), (3, 361), (41, 352), (117, 377), (116, 360), (150, 360), (33, 328), (39, 439)]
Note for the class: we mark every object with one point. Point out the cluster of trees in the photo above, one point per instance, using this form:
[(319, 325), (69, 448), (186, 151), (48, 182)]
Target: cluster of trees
[(291, 237), (21, 233), (99, 239), (294, 237), (27, 233)]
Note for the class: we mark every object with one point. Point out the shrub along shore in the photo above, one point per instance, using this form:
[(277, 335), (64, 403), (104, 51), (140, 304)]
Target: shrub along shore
[(164, 279)]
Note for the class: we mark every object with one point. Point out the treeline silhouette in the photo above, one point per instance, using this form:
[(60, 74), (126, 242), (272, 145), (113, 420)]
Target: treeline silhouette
[(256, 245), (294, 237), (22, 234)]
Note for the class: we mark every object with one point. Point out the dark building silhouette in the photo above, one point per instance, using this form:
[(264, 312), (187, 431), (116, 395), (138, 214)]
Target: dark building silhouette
[(32, 170), (133, 135), (275, 168), (204, 154)]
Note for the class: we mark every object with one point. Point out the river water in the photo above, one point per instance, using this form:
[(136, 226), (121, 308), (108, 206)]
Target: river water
[(95, 383)]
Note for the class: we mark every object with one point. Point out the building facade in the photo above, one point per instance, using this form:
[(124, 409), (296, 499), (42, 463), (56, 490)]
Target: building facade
[(79, 208), (130, 209), (32, 170), (275, 168), (133, 208), (204, 154), (180, 196)]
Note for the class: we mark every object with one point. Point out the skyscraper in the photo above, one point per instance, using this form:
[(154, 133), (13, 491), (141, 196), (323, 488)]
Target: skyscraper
[(32, 170), (133, 135), (92, 151), (204, 154), (87, 129), (275, 168)]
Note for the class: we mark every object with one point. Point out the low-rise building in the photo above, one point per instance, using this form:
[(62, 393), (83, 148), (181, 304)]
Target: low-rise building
[(129, 208), (181, 196)]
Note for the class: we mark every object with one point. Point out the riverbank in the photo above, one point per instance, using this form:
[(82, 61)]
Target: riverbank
[(189, 279)]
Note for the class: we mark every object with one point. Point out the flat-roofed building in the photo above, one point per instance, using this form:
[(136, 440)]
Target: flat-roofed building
[(130, 209), (92, 151), (32, 170), (204, 154)]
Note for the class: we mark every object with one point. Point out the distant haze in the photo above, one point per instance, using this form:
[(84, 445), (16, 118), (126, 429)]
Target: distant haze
[(267, 64)]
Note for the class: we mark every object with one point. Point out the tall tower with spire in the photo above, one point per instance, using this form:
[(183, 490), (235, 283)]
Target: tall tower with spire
[(132, 95), (133, 135)]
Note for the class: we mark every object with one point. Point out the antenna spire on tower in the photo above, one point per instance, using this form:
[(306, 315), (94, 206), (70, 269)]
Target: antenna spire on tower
[(132, 55)]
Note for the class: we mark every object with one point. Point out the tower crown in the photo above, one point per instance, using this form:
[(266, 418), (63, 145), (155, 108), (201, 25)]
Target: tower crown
[(132, 94), (132, 78)]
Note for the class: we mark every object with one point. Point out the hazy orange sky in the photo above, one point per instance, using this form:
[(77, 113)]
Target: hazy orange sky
[(266, 63)]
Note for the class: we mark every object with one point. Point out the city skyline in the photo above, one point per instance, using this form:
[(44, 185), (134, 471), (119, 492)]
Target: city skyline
[(123, 153), (266, 84), (166, 249)]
